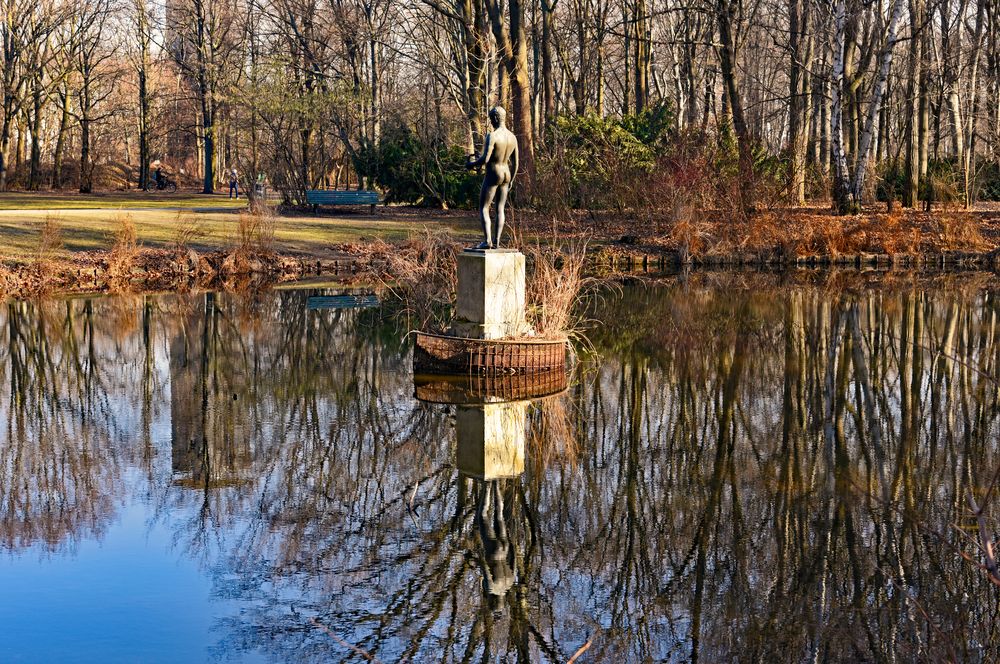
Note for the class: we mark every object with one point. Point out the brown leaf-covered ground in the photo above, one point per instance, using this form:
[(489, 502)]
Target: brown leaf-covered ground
[(787, 232)]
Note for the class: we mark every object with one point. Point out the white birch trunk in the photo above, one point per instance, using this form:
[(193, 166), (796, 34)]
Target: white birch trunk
[(885, 62), (841, 176)]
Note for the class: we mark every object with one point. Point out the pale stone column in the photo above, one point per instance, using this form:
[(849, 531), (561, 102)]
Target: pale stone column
[(491, 295)]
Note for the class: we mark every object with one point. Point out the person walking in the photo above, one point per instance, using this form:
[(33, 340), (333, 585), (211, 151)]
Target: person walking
[(234, 184)]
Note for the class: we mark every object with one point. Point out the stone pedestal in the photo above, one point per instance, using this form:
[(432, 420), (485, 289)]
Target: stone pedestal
[(491, 439), (490, 295)]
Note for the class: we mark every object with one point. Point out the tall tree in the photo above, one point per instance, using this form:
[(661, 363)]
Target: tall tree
[(512, 43), (203, 40)]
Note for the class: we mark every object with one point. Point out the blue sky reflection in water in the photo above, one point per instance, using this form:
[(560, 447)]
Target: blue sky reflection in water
[(214, 477)]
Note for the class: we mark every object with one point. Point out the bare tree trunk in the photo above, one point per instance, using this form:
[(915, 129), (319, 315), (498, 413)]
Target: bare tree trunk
[(727, 60), (627, 57), (35, 161), (548, 7), (143, 130), (86, 167), (841, 177), (376, 90), (513, 46), (911, 193), (951, 37), (208, 142), (969, 164), (144, 38), (641, 59), (57, 159), (798, 101)]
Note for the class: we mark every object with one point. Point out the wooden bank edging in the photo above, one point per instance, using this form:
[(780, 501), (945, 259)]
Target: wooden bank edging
[(663, 261)]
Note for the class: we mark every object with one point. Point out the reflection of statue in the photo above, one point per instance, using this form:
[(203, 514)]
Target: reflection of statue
[(498, 561), (490, 451), (499, 150), (490, 434)]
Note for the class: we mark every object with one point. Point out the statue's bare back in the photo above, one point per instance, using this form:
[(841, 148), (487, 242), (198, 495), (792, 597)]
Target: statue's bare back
[(501, 160)]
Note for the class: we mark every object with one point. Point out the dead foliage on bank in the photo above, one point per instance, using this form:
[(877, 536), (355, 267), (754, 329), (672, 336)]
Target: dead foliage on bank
[(782, 233)]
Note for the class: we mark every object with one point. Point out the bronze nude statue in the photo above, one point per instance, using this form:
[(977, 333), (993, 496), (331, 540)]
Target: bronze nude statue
[(500, 157)]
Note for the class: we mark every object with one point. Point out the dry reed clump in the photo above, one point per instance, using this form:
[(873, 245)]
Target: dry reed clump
[(688, 230), (795, 235), (836, 236), (6, 280), (554, 286), (124, 251), (187, 231), (421, 274), (255, 232), (958, 232), (252, 247), (41, 273)]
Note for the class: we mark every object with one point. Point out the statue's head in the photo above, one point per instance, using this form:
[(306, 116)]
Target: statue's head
[(497, 116)]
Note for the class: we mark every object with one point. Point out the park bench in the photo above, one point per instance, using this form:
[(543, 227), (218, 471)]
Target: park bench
[(317, 197)]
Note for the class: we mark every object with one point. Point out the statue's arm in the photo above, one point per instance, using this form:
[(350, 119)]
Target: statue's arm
[(485, 157), (514, 162)]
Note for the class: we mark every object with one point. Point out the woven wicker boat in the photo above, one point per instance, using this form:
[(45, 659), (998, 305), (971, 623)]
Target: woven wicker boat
[(446, 355), (474, 390)]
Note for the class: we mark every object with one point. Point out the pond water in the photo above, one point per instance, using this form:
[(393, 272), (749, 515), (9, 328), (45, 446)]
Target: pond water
[(742, 468)]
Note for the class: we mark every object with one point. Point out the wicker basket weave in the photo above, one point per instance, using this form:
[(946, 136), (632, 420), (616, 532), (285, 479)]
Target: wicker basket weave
[(446, 355)]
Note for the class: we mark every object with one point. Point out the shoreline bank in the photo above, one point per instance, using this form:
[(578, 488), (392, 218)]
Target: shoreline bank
[(161, 270)]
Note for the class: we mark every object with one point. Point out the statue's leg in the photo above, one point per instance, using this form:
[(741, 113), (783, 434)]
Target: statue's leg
[(486, 195), (501, 213)]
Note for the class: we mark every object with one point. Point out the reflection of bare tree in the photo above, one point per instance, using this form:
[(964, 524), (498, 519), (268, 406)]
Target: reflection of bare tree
[(767, 474), (210, 441), (60, 448), (770, 479)]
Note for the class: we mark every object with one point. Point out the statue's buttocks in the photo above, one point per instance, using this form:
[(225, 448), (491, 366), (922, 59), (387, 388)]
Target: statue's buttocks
[(501, 160)]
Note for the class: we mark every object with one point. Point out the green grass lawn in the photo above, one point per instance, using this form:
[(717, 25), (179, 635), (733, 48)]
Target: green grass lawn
[(93, 229), (112, 200)]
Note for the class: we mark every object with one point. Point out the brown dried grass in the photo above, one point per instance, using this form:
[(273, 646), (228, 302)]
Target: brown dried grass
[(959, 230), (554, 286), (255, 232), (122, 257), (793, 233), (42, 272), (186, 232), (6, 280), (49, 241), (421, 273)]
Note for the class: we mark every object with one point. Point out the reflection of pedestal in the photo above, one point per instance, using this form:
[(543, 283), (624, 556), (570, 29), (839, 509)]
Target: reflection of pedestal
[(491, 439), (490, 295)]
